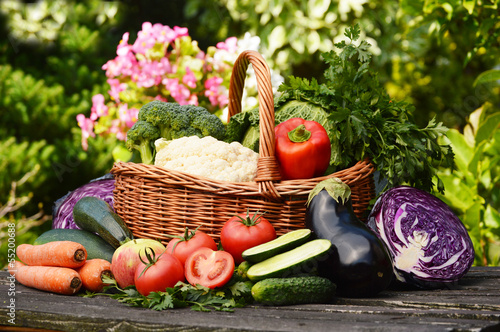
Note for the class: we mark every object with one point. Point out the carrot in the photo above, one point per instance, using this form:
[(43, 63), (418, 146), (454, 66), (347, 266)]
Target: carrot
[(57, 253), (61, 280), (92, 273)]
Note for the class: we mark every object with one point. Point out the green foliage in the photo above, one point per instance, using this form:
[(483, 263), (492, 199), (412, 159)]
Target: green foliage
[(473, 189), (294, 33), (15, 227), (49, 70), (445, 45)]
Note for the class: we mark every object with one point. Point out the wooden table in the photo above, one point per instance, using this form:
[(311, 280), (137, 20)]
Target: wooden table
[(474, 305)]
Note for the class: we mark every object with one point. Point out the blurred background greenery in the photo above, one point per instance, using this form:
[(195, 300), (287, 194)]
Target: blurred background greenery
[(442, 56)]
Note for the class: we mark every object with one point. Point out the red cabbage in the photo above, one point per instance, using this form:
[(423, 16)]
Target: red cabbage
[(429, 245), (62, 212)]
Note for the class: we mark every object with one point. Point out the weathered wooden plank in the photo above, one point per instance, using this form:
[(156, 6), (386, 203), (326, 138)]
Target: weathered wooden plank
[(473, 305)]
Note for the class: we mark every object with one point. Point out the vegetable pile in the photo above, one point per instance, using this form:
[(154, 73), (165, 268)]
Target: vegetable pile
[(411, 236)]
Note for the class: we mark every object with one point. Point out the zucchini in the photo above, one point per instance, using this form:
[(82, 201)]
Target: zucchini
[(294, 290), (281, 244), (95, 215), (96, 247), (301, 260)]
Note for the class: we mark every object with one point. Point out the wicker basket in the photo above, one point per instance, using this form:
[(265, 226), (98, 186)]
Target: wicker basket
[(155, 202)]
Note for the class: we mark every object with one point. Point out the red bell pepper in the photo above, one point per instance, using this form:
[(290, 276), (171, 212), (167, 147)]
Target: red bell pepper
[(303, 149)]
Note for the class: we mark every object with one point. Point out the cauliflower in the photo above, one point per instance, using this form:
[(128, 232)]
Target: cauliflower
[(207, 157)]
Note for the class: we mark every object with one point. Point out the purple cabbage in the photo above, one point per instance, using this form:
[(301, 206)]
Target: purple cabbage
[(62, 212), (429, 245)]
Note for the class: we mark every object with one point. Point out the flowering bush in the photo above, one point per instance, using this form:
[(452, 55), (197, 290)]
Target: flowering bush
[(165, 64)]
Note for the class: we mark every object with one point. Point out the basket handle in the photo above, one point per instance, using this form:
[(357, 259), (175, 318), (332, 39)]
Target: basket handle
[(267, 167)]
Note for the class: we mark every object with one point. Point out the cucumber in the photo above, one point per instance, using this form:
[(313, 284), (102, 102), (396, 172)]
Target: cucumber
[(294, 290), (241, 271), (281, 244), (95, 215), (96, 247), (301, 260)]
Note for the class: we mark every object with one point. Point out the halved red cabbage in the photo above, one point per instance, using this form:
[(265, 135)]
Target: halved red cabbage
[(62, 212), (429, 245)]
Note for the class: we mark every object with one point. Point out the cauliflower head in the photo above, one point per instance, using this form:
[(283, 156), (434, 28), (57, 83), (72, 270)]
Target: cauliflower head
[(207, 157)]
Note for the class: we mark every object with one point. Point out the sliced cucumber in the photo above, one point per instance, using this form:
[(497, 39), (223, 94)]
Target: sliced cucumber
[(301, 260), (281, 244)]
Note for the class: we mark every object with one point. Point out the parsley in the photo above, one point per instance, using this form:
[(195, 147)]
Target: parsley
[(234, 294), (367, 123)]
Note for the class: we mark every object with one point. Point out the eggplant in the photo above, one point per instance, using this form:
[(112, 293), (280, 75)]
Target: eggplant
[(358, 262)]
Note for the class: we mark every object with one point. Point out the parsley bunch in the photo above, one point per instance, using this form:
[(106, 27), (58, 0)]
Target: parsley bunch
[(367, 123), (234, 294)]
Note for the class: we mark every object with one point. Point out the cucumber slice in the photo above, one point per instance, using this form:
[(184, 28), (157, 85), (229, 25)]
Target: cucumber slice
[(301, 260), (277, 246)]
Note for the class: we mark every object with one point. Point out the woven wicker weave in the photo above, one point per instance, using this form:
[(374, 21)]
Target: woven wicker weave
[(155, 202)]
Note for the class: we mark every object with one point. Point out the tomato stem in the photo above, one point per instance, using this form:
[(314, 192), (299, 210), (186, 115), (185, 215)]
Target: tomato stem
[(299, 134), (250, 221), (151, 259)]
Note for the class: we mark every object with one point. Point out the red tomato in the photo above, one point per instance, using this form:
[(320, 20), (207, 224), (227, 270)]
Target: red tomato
[(163, 272), (209, 268), (245, 231), (184, 245)]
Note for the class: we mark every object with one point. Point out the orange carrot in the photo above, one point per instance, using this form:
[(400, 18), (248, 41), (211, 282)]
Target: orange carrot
[(57, 253), (92, 273), (61, 280)]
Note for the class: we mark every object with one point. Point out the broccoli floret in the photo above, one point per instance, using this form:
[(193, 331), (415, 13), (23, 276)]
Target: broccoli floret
[(175, 121), (159, 114), (206, 123), (141, 137)]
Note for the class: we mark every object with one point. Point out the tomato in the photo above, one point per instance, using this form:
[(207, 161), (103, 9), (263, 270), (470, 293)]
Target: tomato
[(245, 231), (209, 268), (161, 273), (184, 245)]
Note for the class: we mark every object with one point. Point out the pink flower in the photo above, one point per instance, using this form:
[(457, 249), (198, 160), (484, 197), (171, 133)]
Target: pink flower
[(189, 79), (127, 116), (98, 107), (215, 92), (87, 127), (230, 45), (116, 87), (180, 32), (125, 65), (178, 91), (123, 47)]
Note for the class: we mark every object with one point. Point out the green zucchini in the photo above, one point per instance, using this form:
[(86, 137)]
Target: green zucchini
[(300, 260), (294, 290), (96, 247), (281, 244), (95, 215)]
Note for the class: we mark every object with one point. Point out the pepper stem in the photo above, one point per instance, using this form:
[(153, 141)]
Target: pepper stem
[(299, 134)]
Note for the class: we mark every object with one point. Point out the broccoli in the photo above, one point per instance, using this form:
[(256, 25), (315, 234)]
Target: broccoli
[(141, 137), (159, 114), (175, 121)]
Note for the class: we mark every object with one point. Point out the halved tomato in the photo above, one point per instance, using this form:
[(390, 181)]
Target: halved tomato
[(209, 268)]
